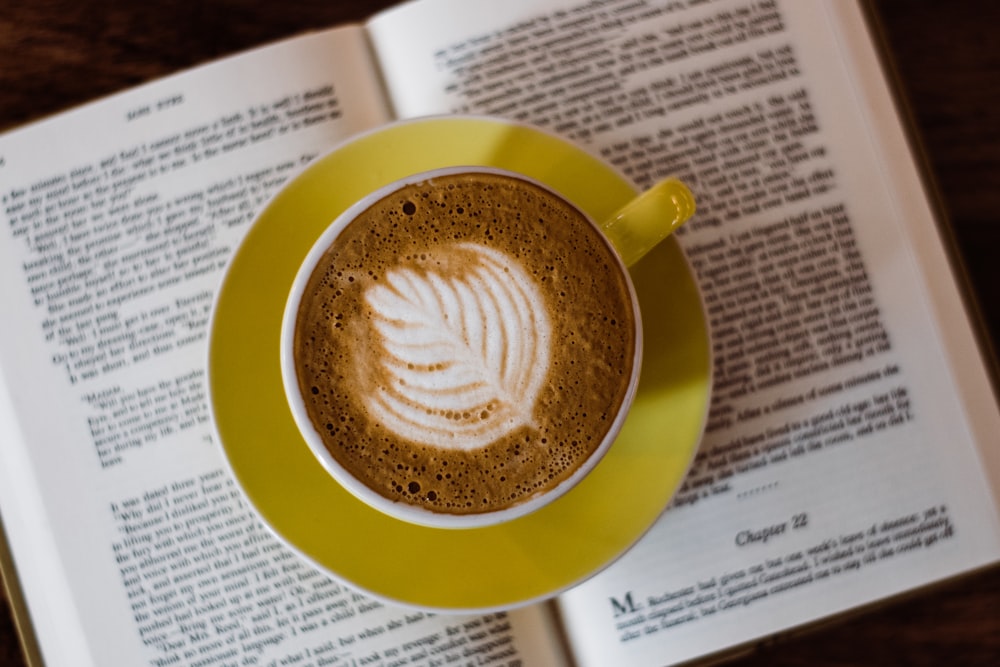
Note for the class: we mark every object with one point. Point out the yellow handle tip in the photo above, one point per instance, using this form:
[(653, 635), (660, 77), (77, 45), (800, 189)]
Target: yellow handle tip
[(649, 218)]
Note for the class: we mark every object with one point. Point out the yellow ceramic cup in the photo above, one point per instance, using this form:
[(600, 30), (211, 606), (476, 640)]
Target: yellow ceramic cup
[(633, 230)]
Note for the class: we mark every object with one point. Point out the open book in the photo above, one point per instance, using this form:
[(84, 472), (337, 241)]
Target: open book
[(845, 458)]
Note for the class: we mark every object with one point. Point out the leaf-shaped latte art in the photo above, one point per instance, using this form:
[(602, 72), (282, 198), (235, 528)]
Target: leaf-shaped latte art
[(465, 352)]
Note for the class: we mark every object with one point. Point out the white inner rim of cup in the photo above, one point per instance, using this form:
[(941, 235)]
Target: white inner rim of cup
[(400, 509)]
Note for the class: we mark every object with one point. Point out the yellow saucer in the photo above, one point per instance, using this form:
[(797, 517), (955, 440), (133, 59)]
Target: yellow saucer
[(502, 566)]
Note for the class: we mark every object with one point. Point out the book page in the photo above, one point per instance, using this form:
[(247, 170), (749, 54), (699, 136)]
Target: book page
[(132, 543), (841, 460)]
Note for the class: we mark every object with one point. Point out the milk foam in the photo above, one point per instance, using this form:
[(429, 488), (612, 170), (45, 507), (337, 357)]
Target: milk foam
[(436, 384), (465, 353)]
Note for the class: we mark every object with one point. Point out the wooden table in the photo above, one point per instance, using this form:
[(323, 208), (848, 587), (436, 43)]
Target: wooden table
[(60, 53)]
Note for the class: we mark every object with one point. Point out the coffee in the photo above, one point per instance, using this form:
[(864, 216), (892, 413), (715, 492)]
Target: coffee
[(465, 343)]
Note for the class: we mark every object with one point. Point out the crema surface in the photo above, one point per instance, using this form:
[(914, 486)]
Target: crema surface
[(465, 343)]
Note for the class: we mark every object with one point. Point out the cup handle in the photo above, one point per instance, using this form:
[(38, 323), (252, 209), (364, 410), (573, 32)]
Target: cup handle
[(648, 219)]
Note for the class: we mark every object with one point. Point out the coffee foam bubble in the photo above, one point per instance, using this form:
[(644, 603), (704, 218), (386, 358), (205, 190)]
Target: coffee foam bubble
[(465, 352)]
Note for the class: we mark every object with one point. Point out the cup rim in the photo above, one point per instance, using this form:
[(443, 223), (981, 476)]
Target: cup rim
[(402, 510)]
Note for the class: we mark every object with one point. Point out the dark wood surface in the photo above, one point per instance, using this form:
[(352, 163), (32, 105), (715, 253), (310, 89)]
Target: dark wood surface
[(55, 54)]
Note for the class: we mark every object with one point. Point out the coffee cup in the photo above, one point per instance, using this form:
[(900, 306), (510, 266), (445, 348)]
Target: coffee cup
[(461, 347)]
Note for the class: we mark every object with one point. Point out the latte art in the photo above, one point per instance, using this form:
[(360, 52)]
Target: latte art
[(465, 355), (465, 343)]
